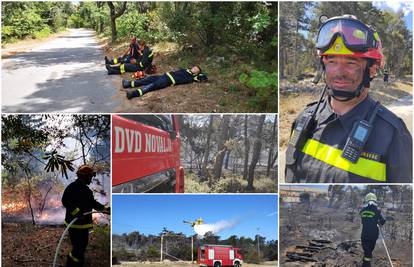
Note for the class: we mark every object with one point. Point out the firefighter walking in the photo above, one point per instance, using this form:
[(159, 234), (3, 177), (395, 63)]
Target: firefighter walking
[(78, 199), (371, 219)]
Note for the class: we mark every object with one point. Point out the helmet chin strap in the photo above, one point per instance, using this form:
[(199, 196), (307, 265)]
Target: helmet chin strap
[(344, 96)]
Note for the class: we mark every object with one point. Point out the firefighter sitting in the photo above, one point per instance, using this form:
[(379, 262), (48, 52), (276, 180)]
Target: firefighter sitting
[(131, 54), (143, 62), (153, 83), (371, 219), (78, 199)]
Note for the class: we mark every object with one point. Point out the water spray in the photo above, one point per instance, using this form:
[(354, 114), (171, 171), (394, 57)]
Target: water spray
[(385, 246), (64, 234)]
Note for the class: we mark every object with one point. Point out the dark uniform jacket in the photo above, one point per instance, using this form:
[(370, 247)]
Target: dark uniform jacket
[(145, 60), (370, 217), (386, 157), (78, 199), (183, 76)]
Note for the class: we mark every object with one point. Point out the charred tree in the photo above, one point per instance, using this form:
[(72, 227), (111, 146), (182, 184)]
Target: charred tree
[(207, 149), (218, 164), (257, 146), (246, 147), (270, 161)]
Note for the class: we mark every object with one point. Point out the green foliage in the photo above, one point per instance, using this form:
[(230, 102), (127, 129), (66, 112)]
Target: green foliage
[(133, 24), (263, 87), (123, 255), (152, 253)]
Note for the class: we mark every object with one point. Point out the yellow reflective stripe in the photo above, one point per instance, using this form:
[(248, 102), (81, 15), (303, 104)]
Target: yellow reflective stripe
[(189, 71), (367, 213), (150, 55), (122, 68), (171, 78), (332, 156), (73, 257), (195, 78), (139, 92), (79, 226), (142, 65), (367, 259), (115, 61), (75, 211), (132, 83)]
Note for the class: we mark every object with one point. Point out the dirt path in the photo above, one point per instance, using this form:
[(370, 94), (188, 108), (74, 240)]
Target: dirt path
[(62, 74)]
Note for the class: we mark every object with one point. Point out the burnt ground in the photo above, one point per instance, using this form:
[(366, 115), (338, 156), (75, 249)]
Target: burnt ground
[(331, 237), (186, 263), (26, 245), (213, 96)]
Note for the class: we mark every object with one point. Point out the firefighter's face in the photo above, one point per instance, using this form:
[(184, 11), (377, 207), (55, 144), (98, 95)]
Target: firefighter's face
[(344, 73), (195, 70)]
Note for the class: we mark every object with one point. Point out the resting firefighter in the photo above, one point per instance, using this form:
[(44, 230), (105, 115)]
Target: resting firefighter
[(143, 61), (78, 199), (153, 83), (371, 219), (131, 54)]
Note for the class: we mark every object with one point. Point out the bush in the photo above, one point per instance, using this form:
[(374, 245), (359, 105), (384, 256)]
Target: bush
[(263, 86), (45, 32), (123, 255)]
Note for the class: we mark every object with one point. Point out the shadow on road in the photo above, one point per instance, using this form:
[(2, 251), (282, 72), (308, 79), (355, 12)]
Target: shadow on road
[(61, 95)]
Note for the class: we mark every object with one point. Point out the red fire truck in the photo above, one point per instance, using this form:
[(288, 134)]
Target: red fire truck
[(146, 154), (219, 256)]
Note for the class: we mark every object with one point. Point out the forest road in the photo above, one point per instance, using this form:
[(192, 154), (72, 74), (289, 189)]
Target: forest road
[(65, 74)]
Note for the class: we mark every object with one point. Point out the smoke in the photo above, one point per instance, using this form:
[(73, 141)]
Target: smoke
[(214, 228)]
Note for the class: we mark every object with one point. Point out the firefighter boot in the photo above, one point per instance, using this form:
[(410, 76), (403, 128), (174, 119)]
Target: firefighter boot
[(126, 83), (366, 262), (112, 70), (134, 93), (70, 262)]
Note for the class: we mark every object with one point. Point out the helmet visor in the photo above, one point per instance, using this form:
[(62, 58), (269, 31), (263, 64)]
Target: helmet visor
[(356, 35)]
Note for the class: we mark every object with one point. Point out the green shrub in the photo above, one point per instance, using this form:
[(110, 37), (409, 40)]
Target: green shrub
[(45, 32)]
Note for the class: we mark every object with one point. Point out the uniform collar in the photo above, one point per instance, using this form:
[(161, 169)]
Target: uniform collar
[(359, 112)]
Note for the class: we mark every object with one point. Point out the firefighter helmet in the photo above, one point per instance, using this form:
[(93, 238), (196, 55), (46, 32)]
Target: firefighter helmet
[(86, 170), (370, 197)]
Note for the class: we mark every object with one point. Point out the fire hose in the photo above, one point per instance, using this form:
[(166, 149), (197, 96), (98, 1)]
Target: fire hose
[(385, 246), (64, 234)]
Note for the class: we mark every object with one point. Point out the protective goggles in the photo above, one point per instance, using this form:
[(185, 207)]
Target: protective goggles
[(357, 36)]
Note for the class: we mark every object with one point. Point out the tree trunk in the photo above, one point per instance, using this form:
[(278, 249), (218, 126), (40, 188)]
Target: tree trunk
[(272, 144), (29, 199), (207, 150), (246, 147), (221, 147), (114, 15), (257, 146)]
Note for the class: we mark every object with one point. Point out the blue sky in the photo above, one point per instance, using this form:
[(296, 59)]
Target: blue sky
[(149, 213)]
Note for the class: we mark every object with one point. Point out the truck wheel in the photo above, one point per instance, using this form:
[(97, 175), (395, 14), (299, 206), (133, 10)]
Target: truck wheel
[(217, 264), (237, 264)]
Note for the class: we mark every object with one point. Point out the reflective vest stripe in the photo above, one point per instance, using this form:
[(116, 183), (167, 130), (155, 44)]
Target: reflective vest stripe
[(79, 226), (367, 214), (122, 68), (150, 55), (139, 92), (171, 78), (142, 65), (332, 156), (75, 211), (73, 257), (115, 61), (132, 84), (367, 259)]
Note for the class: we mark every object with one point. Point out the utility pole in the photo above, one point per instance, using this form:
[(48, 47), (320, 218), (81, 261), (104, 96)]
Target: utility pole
[(258, 245), (162, 241), (192, 249)]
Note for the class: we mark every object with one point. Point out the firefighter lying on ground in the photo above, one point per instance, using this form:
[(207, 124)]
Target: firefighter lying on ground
[(371, 218), (131, 54), (143, 61), (152, 83), (78, 199)]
